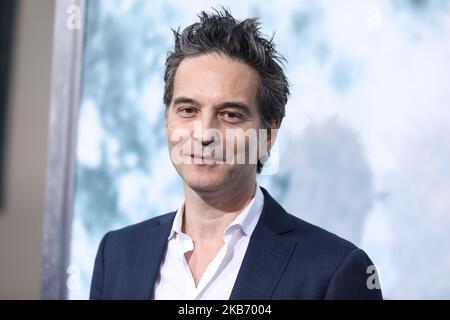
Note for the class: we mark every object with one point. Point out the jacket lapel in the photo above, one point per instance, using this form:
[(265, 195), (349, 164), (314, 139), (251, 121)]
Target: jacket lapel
[(149, 258), (267, 255)]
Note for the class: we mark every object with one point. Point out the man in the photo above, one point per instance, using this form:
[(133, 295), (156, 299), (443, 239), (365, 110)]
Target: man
[(229, 239)]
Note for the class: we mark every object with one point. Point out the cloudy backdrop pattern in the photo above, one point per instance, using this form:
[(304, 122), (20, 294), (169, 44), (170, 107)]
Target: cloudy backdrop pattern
[(364, 150)]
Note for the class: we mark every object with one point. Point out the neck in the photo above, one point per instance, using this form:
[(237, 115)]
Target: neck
[(208, 213)]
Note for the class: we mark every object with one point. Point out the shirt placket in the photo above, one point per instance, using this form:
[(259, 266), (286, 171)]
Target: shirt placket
[(185, 245), (216, 265)]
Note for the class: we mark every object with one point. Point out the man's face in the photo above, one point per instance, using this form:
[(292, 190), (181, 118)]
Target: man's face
[(213, 94)]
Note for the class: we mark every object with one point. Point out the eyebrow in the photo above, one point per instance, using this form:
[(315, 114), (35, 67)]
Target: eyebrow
[(228, 104), (181, 100)]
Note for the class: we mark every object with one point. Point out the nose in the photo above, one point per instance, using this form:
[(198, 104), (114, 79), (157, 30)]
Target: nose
[(202, 132), (207, 142)]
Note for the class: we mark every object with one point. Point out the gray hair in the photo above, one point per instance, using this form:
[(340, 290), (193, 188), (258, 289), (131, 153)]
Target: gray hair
[(220, 32)]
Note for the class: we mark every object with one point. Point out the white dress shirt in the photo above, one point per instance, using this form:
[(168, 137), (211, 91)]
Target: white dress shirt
[(175, 280)]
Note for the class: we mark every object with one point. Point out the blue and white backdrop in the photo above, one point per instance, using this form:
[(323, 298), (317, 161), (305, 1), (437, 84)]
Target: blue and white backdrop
[(364, 150)]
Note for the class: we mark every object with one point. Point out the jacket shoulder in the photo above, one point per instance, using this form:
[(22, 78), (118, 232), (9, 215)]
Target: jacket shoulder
[(133, 233), (332, 267), (311, 238), (317, 237)]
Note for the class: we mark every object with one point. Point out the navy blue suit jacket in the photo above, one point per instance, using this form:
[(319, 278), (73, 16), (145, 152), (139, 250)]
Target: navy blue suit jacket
[(287, 258)]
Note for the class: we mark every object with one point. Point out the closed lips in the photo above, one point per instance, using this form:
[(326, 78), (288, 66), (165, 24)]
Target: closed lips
[(202, 157)]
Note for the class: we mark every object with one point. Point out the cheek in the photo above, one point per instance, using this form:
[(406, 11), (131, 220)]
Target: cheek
[(176, 132), (236, 148), (170, 136)]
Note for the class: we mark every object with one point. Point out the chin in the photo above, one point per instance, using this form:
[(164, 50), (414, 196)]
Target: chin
[(204, 178)]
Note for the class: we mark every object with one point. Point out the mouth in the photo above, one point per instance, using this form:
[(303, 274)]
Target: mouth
[(194, 156), (199, 159)]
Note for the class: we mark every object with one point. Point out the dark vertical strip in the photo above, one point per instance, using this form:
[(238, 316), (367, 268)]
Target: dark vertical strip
[(7, 17)]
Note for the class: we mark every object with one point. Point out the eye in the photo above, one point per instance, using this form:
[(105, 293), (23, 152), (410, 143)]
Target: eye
[(186, 112), (233, 117)]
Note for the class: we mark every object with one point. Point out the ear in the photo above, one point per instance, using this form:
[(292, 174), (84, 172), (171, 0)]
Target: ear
[(166, 116), (272, 132), (267, 140)]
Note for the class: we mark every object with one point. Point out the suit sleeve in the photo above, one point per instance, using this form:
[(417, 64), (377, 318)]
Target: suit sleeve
[(355, 279), (99, 272)]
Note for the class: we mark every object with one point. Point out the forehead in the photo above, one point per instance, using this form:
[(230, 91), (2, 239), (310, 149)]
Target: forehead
[(212, 78)]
